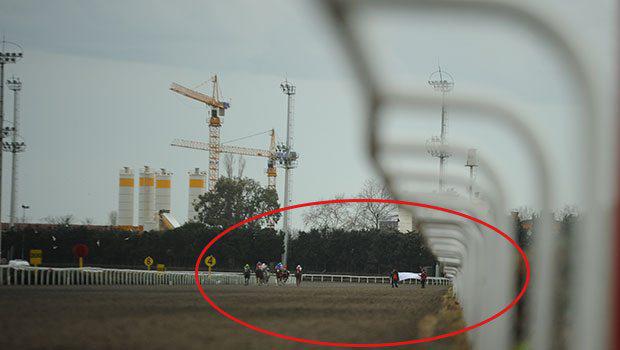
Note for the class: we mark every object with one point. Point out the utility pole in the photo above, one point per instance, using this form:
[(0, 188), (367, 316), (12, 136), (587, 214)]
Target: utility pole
[(437, 146), (15, 146), (24, 207), (6, 56), (287, 158)]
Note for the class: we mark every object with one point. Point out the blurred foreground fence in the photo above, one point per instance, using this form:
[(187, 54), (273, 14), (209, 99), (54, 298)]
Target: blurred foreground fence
[(570, 299)]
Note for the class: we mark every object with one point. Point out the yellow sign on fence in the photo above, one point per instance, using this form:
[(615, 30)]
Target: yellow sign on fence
[(36, 257), (210, 261), (148, 261), (161, 267)]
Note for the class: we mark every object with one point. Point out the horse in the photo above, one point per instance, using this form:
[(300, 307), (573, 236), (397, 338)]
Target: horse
[(246, 275), (285, 276), (259, 276), (266, 275), (282, 276), (298, 277)]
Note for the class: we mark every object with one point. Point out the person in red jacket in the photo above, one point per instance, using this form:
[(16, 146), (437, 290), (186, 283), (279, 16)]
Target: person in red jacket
[(394, 278), (423, 277)]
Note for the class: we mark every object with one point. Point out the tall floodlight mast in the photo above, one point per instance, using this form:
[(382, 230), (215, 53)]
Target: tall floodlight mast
[(15, 146), (437, 146), (287, 159), (12, 54)]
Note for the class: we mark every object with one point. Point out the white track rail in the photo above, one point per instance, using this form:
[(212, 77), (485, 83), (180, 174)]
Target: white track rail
[(40, 276)]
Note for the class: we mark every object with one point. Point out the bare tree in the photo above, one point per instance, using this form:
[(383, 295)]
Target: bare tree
[(87, 221), (59, 220), (372, 213), (337, 216), (241, 167), (566, 212), (113, 218), (526, 213), (229, 162)]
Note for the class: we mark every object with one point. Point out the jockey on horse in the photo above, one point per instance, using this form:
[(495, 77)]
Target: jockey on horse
[(259, 273), (246, 273), (279, 273), (265, 270), (298, 275)]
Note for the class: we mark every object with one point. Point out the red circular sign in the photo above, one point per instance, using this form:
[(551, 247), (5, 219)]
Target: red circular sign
[(80, 250), (361, 345)]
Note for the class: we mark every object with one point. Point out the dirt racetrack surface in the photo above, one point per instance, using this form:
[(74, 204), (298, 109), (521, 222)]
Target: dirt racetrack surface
[(177, 317)]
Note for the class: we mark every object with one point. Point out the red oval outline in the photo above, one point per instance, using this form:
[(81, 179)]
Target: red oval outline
[(362, 345)]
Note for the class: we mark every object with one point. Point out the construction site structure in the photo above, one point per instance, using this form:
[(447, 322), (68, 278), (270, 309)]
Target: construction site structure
[(146, 199), (242, 151), (197, 187), (125, 197), (167, 221), (217, 110)]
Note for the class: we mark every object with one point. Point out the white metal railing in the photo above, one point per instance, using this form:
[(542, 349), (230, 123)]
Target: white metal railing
[(370, 279), (99, 276), (26, 275)]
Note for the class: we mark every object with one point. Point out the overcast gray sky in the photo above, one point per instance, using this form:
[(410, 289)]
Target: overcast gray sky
[(96, 76)]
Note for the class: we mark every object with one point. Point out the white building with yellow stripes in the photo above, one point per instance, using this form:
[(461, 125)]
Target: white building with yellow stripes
[(126, 184), (146, 200), (197, 187)]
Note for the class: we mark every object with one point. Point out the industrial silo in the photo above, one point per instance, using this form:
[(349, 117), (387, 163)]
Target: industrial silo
[(125, 197), (146, 200), (197, 187), (162, 190)]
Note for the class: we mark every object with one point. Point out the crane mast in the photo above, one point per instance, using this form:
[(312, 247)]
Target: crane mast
[(281, 155), (242, 151), (215, 123)]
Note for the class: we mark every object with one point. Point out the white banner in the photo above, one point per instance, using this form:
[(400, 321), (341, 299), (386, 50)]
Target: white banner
[(408, 275)]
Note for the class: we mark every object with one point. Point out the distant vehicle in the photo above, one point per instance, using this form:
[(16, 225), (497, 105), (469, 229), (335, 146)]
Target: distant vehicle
[(18, 263)]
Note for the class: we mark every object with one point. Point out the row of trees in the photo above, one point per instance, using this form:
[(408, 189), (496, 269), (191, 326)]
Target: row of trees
[(361, 252)]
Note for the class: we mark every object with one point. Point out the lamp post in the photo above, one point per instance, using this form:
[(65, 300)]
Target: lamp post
[(24, 207), (12, 54)]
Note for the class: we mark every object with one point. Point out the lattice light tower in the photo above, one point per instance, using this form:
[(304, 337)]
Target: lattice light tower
[(15, 146), (287, 159), (442, 82), (9, 53)]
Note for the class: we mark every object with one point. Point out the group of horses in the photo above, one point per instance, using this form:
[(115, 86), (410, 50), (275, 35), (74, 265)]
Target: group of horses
[(263, 274)]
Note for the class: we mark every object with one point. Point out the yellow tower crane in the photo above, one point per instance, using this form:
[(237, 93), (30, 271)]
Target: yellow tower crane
[(217, 110)]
